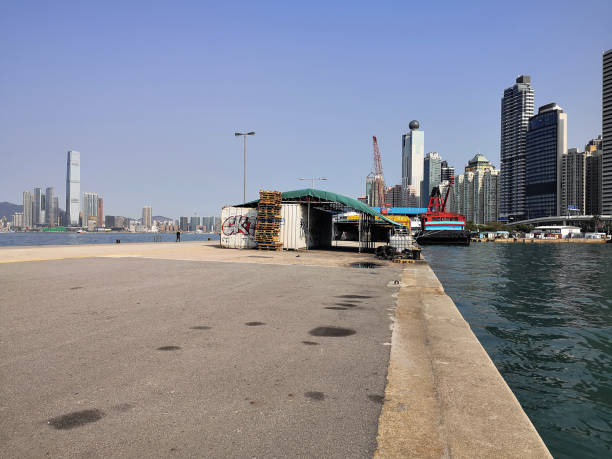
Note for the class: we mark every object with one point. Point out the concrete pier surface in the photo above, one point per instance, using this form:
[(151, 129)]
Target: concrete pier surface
[(189, 350)]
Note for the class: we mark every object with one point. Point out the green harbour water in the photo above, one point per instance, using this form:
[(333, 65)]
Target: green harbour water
[(543, 312)]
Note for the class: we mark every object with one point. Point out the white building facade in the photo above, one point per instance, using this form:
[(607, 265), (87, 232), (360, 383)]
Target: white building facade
[(90, 207), (413, 152)]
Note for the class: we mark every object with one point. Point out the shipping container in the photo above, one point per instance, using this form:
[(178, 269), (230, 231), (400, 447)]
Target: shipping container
[(238, 227), (293, 226)]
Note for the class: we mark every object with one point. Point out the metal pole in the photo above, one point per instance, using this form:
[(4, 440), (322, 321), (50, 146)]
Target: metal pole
[(308, 218), (244, 188)]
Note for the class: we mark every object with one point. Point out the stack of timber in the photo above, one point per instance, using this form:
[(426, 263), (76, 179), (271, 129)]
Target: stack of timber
[(267, 232)]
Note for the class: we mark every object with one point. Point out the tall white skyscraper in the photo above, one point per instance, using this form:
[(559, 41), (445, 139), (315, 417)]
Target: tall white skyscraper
[(516, 109), (90, 207), (28, 208), (413, 152), (73, 188)]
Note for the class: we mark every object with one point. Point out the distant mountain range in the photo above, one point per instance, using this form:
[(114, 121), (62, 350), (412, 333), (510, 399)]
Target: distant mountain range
[(7, 209)]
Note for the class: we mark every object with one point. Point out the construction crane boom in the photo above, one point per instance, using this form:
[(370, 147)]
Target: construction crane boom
[(450, 184), (379, 177)]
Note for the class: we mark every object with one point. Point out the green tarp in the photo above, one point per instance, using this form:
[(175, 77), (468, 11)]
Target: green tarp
[(329, 196)]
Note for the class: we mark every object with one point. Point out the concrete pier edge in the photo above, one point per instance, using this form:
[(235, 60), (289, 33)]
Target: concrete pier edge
[(444, 396)]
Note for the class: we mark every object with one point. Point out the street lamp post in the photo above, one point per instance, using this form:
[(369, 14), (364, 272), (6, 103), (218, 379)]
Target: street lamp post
[(308, 218), (244, 135)]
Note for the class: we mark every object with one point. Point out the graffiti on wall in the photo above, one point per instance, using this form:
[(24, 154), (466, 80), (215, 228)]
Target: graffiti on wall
[(239, 224)]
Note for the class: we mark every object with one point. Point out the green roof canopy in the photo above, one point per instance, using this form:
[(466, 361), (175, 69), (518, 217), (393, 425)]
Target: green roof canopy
[(330, 197)]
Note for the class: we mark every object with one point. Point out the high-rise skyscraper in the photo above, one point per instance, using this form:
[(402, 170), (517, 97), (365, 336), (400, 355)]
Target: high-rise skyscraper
[(476, 192), (43, 209), (17, 220), (546, 143), (573, 181), (147, 217), (50, 213), (395, 196), (100, 211), (413, 152), (516, 109), (606, 130), (184, 224), (90, 208), (490, 196), (37, 216), (432, 174), (55, 210), (593, 178), (194, 223), (446, 172), (28, 207), (73, 188)]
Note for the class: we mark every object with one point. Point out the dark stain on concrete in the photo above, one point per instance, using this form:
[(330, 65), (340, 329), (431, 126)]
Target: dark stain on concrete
[(347, 305), (337, 308), (252, 402), (257, 256), (168, 348), (75, 419), (354, 296), (310, 343), (365, 265), (254, 324), (75, 288), (200, 327), (334, 332), (318, 396), (376, 398), (122, 407)]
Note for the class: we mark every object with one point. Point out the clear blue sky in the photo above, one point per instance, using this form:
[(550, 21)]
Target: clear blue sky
[(151, 92)]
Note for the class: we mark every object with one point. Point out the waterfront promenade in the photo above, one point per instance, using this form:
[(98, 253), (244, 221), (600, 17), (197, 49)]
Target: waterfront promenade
[(189, 350)]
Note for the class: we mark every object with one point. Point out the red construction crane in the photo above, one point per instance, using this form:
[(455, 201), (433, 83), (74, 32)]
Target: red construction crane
[(435, 200), (379, 177)]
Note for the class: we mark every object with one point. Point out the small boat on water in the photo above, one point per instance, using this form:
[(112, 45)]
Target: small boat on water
[(439, 226)]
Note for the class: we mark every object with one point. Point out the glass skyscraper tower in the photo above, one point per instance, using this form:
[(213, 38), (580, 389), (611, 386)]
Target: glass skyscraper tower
[(413, 152), (432, 175), (73, 188), (516, 109), (546, 143), (606, 127)]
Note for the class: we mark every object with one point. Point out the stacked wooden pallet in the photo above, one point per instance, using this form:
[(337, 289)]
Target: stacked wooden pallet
[(267, 232)]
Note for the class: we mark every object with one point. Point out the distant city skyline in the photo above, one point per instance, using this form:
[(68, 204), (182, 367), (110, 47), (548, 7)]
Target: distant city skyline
[(160, 131)]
